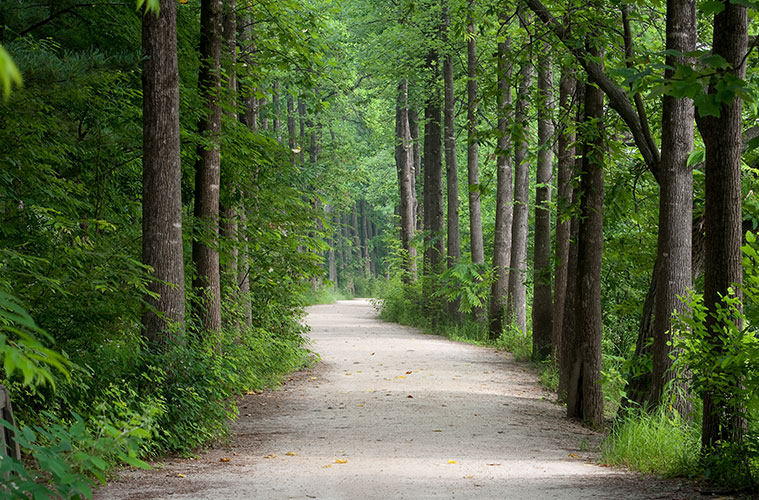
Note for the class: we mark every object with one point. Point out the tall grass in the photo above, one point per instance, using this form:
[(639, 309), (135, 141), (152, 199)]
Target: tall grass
[(659, 442)]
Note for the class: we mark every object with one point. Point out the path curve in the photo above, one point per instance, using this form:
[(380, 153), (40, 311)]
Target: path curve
[(391, 413)]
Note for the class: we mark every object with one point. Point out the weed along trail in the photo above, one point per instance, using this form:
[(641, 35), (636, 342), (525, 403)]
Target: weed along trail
[(391, 413)]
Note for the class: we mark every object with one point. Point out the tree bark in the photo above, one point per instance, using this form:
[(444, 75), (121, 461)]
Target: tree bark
[(472, 161), (275, 105), (229, 217), (163, 319), (291, 140), (542, 305), (585, 395), (724, 421), (566, 153), (434, 216), (673, 259), (404, 161), (451, 167), (413, 122), (205, 256), (516, 310), (504, 193)]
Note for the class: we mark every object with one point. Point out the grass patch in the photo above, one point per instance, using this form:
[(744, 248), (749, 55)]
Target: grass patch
[(660, 442)]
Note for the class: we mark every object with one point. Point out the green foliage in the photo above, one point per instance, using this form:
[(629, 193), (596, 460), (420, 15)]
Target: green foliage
[(467, 283), (71, 454), (660, 442), (9, 73), (20, 349)]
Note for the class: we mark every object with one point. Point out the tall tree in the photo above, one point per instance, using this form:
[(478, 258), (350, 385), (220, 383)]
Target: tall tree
[(162, 177), (472, 161), (504, 211), (542, 306), (404, 162), (451, 165), (584, 394), (516, 310), (674, 266), (413, 122), (229, 224), (565, 167), (205, 254), (723, 419)]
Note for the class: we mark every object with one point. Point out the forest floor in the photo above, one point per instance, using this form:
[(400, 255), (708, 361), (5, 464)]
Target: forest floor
[(391, 413)]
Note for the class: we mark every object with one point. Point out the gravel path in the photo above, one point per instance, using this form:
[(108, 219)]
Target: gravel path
[(391, 413)]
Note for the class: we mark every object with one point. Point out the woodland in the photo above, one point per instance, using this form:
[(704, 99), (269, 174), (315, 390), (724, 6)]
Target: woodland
[(180, 178)]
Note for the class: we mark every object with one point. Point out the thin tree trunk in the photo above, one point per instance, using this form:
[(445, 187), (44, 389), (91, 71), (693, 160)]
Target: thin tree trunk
[(404, 161), (163, 319), (365, 237), (291, 140), (229, 217), (275, 104), (566, 153), (504, 211), (302, 126), (724, 421), (418, 178), (451, 167), (673, 260), (205, 255), (585, 395), (472, 161), (516, 310), (542, 305)]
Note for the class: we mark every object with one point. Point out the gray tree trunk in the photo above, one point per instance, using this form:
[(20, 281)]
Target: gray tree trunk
[(473, 160), (404, 161), (163, 319), (504, 211), (542, 304), (205, 256), (516, 310)]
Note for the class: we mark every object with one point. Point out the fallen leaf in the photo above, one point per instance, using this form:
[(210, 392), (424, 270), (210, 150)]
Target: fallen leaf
[(224, 459), (410, 396), (313, 378), (372, 354), (360, 405), (291, 454), (451, 461), (180, 475), (271, 455), (494, 465), (574, 455), (437, 430), (468, 477), (326, 466), (409, 372), (340, 461), (349, 374)]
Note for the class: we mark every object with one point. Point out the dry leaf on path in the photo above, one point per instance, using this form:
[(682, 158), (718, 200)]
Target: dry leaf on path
[(291, 454), (271, 455), (340, 461), (224, 459)]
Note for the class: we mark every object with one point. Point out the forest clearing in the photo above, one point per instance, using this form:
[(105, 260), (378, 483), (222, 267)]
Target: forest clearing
[(569, 184)]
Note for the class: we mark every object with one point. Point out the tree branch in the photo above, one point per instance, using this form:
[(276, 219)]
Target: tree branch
[(618, 99)]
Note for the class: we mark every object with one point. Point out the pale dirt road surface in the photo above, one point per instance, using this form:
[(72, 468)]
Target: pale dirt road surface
[(391, 413)]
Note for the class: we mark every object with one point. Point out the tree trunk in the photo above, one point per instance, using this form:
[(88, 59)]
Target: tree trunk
[(404, 161), (451, 167), (413, 122), (229, 217), (504, 211), (724, 421), (205, 255), (472, 161), (516, 310), (302, 126), (673, 259), (542, 305), (275, 104), (334, 224), (434, 217), (566, 153), (162, 179), (291, 141), (585, 395), (365, 241)]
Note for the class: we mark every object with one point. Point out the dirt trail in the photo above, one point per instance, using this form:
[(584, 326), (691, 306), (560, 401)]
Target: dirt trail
[(391, 413)]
